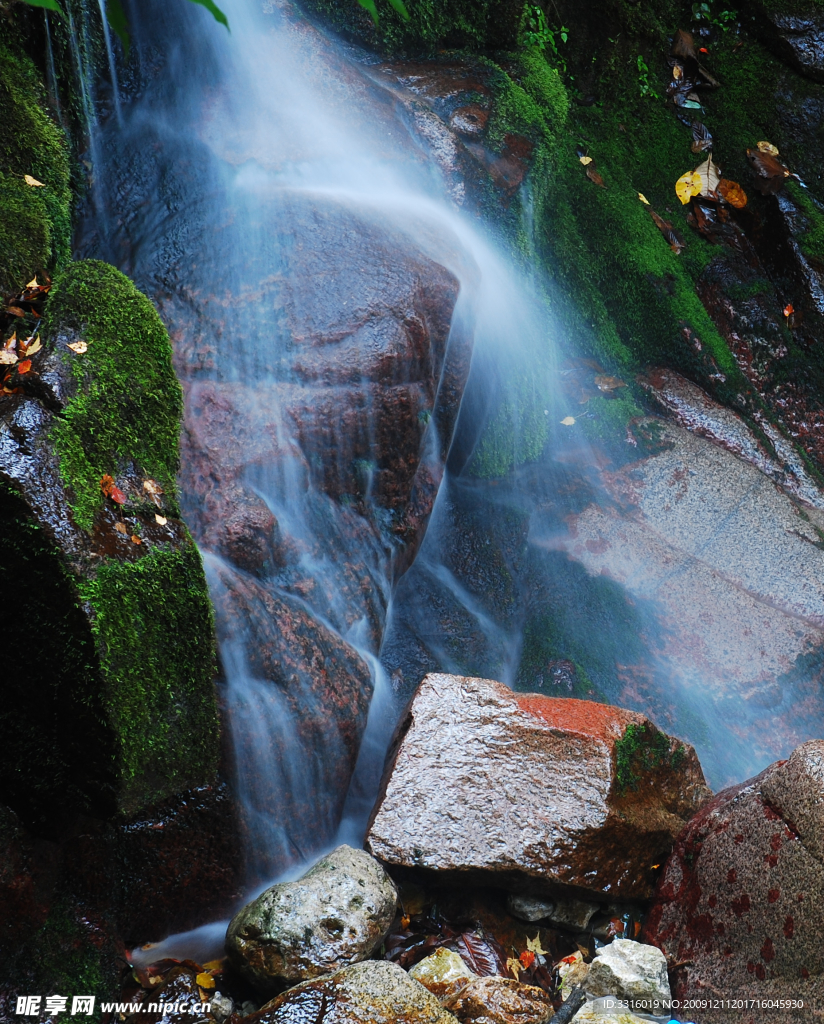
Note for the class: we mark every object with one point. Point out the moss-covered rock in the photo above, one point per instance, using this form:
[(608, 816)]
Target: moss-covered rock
[(35, 220), (110, 707)]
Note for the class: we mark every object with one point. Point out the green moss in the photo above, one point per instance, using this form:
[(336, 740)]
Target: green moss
[(531, 101), (643, 748), (517, 431), (811, 239), (35, 228), (153, 624), (128, 404)]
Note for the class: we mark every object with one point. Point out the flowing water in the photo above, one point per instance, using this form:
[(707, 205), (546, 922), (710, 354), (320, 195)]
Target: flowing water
[(228, 158)]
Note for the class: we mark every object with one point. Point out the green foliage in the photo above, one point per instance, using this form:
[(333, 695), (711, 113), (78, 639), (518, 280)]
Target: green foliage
[(152, 622), (536, 32), (645, 84), (128, 403), (35, 222), (398, 5), (719, 19), (641, 749)]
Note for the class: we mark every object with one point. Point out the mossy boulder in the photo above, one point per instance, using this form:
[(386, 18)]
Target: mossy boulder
[(35, 220), (109, 704)]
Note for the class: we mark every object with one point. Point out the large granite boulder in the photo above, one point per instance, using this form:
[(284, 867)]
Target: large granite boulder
[(738, 907), (532, 791), (336, 915), (375, 992), (630, 970)]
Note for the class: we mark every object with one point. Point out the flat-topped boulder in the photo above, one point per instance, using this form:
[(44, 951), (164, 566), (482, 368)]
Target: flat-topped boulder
[(524, 791)]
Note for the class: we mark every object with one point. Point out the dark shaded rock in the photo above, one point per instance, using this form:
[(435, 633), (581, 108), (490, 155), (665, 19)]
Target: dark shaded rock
[(737, 908), (336, 915), (531, 791), (376, 992), (795, 32)]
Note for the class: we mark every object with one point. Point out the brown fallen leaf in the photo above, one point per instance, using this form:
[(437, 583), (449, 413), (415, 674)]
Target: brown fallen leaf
[(154, 490), (29, 180), (770, 172), (80, 347), (15, 311), (701, 137), (676, 243), (120, 528), (594, 176), (732, 192), (683, 46), (606, 383)]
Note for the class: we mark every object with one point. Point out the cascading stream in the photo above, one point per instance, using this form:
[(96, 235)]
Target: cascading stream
[(324, 293)]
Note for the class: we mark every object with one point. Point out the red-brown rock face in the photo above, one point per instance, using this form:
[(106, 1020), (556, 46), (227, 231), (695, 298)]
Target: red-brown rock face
[(527, 791), (739, 903)]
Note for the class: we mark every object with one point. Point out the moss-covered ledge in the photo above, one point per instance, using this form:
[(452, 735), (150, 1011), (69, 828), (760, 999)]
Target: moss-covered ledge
[(109, 704)]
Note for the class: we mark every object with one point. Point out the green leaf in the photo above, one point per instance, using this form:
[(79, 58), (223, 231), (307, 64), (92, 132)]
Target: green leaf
[(370, 6), (214, 10), (50, 5), (400, 7), (116, 17)]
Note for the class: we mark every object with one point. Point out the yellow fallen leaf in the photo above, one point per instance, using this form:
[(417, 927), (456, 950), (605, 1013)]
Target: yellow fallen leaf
[(79, 347), (643, 198), (152, 487), (585, 160), (709, 174), (687, 186), (515, 966), (677, 72), (768, 147), (205, 980), (120, 528), (161, 520), (29, 180), (34, 347), (568, 421), (33, 283), (534, 946), (214, 965)]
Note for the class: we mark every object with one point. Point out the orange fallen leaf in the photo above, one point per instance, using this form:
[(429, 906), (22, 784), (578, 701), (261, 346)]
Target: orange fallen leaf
[(568, 959), (733, 193), (405, 920), (527, 958), (788, 309), (137, 540), (24, 367)]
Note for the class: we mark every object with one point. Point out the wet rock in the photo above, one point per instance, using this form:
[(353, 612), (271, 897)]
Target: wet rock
[(629, 970), (336, 915), (514, 788), (500, 1001), (376, 992), (737, 909), (572, 971), (605, 1011), (78, 740), (566, 913), (443, 973), (795, 31), (222, 1006)]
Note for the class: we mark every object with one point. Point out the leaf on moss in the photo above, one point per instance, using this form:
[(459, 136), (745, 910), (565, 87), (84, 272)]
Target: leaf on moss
[(606, 383), (643, 198), (710, 174), (767, 147), (33, 283), (15, 311), (687, 186), (29, 180), (676, 243), (568, 421), (585, 160), (732, 193), (111, 490), (701, 137), (79, 347), (683, 46), (161, 520), (594, 176)]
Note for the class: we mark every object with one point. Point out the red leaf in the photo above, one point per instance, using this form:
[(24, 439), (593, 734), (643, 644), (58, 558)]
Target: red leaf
[(24, 367), (117, 495), (527, 958), (482, 955)]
